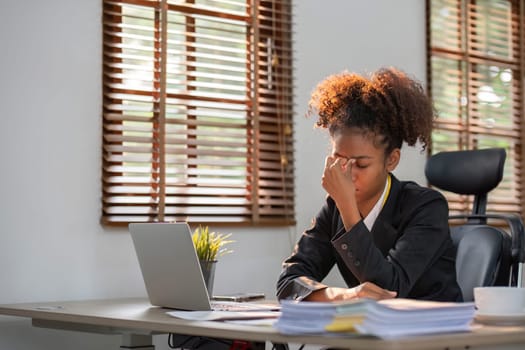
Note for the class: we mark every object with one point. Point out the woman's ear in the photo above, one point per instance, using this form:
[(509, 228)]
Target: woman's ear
[(392, 159)]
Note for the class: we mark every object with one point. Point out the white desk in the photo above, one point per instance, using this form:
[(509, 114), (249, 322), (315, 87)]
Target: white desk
[(137, 321)]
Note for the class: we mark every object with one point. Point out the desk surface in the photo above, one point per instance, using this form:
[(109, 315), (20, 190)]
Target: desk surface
[(137, 316)]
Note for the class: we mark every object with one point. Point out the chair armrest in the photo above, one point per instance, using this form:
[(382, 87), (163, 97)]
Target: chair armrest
[(515, 225)]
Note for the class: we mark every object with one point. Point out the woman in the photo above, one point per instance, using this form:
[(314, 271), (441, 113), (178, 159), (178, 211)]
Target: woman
[(389, 238)]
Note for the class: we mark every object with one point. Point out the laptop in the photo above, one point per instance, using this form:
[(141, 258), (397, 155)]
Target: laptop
[(171, 270)]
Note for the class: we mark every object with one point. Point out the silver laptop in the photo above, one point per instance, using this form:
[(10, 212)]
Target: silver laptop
[(171, 270), (170, 266)]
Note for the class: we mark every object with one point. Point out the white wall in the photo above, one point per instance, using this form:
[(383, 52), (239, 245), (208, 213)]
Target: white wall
[(52, 246)]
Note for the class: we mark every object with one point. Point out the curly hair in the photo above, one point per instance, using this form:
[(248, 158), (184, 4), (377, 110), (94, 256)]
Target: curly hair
[(388, 104)]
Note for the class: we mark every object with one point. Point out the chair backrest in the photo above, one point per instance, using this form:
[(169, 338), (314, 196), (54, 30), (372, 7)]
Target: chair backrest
[(472, 172), (483, 252), (482, 257)]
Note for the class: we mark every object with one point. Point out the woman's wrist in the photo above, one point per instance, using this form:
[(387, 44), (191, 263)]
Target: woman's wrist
[(349, 214)]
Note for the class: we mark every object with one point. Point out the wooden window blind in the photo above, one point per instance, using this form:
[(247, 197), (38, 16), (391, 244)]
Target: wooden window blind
[(475, 72), (197, 112)]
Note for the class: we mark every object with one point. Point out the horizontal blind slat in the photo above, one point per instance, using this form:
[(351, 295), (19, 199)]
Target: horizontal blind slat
[(207, 121)]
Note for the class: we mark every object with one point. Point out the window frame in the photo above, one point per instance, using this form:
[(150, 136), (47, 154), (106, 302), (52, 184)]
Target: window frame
[(259, 190), (464, 48)]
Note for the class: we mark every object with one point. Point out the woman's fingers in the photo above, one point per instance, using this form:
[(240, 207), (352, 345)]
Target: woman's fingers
[(328, 161), (372, 291), (366, 290)]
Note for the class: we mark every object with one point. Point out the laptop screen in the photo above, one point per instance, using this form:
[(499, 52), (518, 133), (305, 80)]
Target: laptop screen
[(170, 266)]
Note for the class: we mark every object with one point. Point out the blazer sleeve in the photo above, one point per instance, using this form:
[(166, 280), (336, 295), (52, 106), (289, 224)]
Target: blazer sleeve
[(312, 259)]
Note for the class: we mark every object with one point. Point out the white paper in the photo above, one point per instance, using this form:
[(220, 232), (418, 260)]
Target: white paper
[(223, 315), (386, 319)]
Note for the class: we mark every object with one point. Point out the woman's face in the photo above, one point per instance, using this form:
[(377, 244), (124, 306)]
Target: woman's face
[(371, 166)]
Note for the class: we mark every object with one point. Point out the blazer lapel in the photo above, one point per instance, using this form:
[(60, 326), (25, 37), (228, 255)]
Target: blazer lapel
[(383, 232)]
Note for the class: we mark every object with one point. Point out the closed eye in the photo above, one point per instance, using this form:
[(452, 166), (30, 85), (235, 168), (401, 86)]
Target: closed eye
[(361, 165)]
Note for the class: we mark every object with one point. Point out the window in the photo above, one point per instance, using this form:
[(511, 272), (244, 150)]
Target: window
[(197, 112), (475, 57)]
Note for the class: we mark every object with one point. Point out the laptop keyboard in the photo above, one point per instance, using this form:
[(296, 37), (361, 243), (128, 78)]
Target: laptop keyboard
[(242, 306)]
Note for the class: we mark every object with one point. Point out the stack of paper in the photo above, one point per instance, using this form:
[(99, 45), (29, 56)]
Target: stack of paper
[(387, 319), (320, 317)]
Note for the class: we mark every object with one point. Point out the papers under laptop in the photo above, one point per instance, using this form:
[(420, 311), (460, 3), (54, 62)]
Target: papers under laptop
[(172, 274)]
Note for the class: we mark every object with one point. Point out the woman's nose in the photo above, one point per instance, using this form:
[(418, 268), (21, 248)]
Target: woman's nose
[(353, 173)]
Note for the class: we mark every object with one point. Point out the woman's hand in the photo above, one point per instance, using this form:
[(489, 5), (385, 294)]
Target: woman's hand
[(364, 290), (337, 177), (338, 183)]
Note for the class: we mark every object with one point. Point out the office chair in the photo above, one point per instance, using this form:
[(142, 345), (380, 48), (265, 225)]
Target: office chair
[(486, 255)]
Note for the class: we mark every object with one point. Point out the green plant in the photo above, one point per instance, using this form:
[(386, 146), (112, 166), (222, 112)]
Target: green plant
[(210, 245)]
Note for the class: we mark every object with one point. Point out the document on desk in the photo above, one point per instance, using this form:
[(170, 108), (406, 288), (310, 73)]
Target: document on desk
[(223, 315), (386, 319)]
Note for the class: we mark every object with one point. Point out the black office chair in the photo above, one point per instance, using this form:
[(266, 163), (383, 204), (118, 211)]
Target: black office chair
[(486, 255)]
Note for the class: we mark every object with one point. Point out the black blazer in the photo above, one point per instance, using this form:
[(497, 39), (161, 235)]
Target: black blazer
[(408, 250)]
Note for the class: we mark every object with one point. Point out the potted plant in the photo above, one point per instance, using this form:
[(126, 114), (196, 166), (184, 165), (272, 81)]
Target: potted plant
[(209, 247)]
